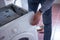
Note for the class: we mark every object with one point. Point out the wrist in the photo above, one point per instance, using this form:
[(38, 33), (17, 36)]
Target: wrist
[(38, 13)]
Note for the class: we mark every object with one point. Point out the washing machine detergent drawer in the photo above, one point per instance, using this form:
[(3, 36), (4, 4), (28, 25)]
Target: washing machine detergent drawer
[(16, 25)]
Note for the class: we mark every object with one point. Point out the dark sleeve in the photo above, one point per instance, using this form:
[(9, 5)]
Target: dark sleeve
[(46, 5), (33, 5)]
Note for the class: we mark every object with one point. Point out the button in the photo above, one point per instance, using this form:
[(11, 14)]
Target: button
[(14, 30)]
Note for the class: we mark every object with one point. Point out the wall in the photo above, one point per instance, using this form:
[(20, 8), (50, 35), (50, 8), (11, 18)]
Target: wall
[(20, 3), (8, 2), (2, 4)]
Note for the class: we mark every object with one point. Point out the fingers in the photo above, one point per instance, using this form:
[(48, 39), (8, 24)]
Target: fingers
[(35, 20)]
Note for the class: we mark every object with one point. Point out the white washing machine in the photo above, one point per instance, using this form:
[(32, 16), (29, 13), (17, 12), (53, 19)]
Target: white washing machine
[(19, 29)]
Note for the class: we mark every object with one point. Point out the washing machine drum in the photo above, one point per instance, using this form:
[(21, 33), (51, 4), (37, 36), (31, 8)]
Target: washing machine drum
[(24, 36)]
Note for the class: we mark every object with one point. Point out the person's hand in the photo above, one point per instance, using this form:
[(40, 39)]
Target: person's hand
[(36, 18)]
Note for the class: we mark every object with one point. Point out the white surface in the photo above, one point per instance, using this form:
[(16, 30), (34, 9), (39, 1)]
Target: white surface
[(25, 4), (7, 2), (22, 3), (18, 3), (18, 27)]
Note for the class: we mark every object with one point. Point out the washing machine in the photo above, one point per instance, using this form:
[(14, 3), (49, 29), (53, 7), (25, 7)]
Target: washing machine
[(15, 24)]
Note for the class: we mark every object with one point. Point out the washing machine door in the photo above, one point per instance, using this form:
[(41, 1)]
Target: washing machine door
[(24, 36)]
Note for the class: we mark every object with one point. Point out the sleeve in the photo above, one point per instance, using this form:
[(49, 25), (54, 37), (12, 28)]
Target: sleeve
[(33, 5), (46, 5)]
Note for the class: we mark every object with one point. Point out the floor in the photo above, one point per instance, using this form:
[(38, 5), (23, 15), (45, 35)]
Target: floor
[(55, 23)]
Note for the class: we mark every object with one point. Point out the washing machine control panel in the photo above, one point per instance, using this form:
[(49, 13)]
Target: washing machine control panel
[(10, 13), (7, 16)]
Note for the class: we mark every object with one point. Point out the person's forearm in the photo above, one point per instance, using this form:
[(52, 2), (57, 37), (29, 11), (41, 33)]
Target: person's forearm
[(46, 5)]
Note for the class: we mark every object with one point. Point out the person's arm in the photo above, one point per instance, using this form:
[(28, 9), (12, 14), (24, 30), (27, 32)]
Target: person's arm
[(46, 5)]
